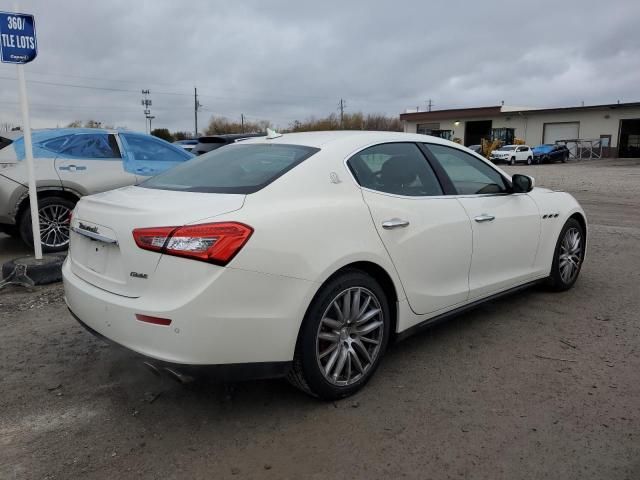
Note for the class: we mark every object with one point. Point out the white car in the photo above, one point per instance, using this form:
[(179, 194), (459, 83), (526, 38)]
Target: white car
[(512, 154), (306, 254)]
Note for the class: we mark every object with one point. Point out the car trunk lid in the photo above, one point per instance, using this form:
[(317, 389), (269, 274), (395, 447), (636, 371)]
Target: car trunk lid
[(103, 251)]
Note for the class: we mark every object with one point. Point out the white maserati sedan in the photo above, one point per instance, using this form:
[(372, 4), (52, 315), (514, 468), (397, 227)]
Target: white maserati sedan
[(303, 255)]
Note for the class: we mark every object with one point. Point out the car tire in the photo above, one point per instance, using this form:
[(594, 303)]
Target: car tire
[(512, 161), (337, 352), (54, 224), (529, 160), (568, 256), (564, 158), (545, 159)]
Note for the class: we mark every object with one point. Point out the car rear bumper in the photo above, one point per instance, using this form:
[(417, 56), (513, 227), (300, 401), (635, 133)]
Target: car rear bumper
[(234, 371), (241, 318)]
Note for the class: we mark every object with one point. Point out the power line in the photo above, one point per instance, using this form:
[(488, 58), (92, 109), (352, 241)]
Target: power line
[(126, 90)]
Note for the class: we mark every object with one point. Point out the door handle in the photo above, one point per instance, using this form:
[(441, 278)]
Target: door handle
[(395, 223), (485, 217)]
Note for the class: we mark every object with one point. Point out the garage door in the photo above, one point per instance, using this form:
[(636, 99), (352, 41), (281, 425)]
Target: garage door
[(560, 131)]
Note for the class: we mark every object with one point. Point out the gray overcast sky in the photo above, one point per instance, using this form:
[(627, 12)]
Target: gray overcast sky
[(287, 60)]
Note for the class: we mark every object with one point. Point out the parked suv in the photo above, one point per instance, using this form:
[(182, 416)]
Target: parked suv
[(70, 163), (512, 154)]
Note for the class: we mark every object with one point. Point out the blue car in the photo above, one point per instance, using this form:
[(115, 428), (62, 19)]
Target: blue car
[(70, 163), (549, 153)]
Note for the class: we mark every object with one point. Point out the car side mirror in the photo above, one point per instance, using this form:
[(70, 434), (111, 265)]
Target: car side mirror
[(522, 183)]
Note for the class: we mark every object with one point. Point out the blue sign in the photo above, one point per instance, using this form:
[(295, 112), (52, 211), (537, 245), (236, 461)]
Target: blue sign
[(17, 38)]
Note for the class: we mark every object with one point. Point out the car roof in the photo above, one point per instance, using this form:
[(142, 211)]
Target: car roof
[(356, 137)]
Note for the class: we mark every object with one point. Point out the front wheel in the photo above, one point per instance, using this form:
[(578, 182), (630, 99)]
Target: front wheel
[(512, 161), (343, 337), (55, 216), (568, 256)]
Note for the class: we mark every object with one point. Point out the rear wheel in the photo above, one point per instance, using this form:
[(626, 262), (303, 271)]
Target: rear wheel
[(343, 337), (564, 158), (529, 160), (568, 256), (55, 216)]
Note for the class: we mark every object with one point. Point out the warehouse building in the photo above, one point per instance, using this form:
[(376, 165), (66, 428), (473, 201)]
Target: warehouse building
[(613, 129)]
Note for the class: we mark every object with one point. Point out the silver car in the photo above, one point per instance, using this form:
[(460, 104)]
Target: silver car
[(70, 163)]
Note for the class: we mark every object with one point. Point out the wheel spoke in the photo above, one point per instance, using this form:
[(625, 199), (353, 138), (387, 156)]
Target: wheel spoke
[(332, 360), (367, 316), (331, 323), (364, 307), (329, 337), (338, 310), (355, 301), (362, 349), (356, 361), (341, 363), (372, 341), (328, 351), (370, 327), (346, 305)]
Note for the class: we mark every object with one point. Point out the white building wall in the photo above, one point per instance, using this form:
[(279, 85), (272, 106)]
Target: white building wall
[(529, 126)]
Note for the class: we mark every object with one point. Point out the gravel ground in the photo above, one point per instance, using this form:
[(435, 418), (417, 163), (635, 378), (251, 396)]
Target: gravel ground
[(537, 385)]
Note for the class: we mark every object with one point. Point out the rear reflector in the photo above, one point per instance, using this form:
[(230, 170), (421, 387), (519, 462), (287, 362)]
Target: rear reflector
[(209, 242), (154, 320)]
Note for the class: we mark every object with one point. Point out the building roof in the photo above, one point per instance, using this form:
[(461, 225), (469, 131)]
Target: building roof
[(458, 113)]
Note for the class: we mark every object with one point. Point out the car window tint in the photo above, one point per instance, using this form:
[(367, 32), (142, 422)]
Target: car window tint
[(90, 145), (469, 175), (149, 148), (397, 168), (236, 168)]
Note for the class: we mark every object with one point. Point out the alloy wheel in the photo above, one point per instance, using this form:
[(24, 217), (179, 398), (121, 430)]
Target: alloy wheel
[(570, 255), (54, 225), (349, 336)]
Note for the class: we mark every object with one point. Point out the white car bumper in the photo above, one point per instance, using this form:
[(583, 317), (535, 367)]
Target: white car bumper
[(242, 317)]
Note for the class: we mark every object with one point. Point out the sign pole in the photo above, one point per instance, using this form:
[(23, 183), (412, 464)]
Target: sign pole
[(28, 150)]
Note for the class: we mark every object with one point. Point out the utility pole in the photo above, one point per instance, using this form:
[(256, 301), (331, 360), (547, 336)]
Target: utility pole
[(146, 104), (341, 106), (242, 121), (196, 107), (429, 105)]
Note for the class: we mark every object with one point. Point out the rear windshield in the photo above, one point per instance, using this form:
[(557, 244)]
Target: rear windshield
[(234, 169)]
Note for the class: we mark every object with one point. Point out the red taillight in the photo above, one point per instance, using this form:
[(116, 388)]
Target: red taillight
[(154, 320), (210, 242)]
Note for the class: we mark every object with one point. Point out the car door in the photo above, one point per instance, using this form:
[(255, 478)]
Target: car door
[(521, 154), (427, 234), (146, 156), (506, 226), (91, 163)]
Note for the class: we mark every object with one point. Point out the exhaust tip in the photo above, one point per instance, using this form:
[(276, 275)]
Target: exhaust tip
[(178, 376), (152, 368)]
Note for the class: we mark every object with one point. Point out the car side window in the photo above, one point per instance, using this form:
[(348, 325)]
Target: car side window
[(469, 175), (91, 146), (57, 144), (149, 148), (396, 168)]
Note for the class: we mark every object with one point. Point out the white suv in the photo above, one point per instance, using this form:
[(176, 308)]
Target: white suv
[(512, 154)]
